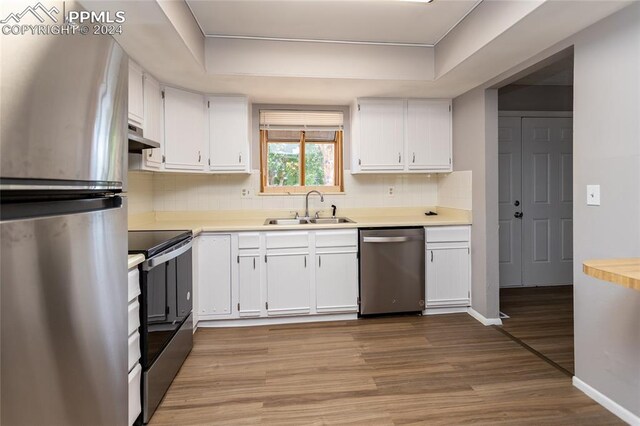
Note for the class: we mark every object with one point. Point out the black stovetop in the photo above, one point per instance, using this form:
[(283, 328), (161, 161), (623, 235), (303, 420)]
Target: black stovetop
[(151, 243)]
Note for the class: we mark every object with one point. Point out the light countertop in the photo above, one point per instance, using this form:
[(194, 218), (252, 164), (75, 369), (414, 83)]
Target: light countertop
[(625, 272), (134, 260), (226, 221)]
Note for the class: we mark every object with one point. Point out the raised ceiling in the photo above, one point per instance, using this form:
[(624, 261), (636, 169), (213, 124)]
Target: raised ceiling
[(377, 21)]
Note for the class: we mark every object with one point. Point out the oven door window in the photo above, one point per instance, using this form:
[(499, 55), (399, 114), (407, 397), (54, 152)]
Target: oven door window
[(168, 303)]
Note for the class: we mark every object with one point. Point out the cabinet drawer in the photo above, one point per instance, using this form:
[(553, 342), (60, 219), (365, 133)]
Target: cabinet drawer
[(134, 393), (134, 350), (134, 317), (133, 284), (249, 240), (337, 238), (445, 234), (277, 240)]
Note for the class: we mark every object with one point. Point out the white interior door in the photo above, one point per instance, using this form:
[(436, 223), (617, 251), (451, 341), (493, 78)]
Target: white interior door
[(547, 198), (510, 200)]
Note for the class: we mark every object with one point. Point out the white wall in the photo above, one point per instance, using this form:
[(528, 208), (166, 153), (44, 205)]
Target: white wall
[(322, 60), (607, 152), (475, 148)]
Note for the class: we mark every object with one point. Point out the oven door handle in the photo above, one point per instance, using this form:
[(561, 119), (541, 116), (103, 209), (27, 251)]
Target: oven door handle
[(165, 257)]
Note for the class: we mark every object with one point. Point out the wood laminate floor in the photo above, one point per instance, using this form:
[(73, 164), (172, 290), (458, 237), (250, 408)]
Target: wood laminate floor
[(446, 369), (542, 318)]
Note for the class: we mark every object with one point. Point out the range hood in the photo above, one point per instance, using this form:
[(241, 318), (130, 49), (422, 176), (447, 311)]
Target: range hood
[(137, 142)]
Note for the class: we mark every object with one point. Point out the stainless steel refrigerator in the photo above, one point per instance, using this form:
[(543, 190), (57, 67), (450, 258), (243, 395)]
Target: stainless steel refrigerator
[(63, 222)]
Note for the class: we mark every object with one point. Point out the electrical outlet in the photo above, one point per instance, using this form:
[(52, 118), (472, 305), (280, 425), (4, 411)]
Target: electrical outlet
[(245, 193), (391, 191)]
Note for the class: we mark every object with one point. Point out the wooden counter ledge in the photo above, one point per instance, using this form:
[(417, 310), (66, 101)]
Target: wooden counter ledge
[(625, 272)]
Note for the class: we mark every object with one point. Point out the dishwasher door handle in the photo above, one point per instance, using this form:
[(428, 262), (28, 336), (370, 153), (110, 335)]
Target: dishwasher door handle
[(388, 239)]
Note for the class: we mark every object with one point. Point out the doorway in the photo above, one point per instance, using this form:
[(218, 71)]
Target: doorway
[(535, 193)]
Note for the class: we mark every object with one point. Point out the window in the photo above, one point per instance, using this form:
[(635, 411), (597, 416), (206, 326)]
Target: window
[(301, 151)]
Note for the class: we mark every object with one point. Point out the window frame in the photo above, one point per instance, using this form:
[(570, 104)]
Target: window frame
[(302, 188)]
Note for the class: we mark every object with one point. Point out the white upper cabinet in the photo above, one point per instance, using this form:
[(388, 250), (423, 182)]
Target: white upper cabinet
[(229, 134), (185, 130), (381, 129), (401, 136), (153, 120), (429, 134), (136, 95)]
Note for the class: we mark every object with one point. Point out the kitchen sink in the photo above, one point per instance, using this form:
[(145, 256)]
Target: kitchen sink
[(330, 220), (302, 221)]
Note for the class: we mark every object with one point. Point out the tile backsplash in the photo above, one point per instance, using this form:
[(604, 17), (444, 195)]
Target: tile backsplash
[(454, 190), (195, 192)]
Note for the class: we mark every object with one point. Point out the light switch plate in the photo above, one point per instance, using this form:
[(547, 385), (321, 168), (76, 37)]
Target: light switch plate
[(593, 195)]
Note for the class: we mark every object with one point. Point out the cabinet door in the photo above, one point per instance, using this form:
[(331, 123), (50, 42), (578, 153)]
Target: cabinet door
[(229, 133), (448, 282), (249, 286), (429, 134), (288, 284), (185, 130), (153, 117), (381, 134), (337, 282), (214, 275), (136, 95)]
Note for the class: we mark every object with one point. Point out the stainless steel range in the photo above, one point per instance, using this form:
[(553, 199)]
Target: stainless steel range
[(165, 308)]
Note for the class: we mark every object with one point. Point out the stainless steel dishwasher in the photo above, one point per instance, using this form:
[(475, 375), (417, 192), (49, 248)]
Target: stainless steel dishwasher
[(391, 270)]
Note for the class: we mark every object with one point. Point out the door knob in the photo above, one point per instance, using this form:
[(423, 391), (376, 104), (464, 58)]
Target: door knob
[(516, 203), (517, 215)]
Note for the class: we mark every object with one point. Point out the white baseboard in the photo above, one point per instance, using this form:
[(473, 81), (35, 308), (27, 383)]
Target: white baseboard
[(607, 402), (482, 319), (445, 310), (248, 322)]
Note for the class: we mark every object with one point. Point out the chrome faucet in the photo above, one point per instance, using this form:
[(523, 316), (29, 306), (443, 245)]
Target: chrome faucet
[(306, 202)]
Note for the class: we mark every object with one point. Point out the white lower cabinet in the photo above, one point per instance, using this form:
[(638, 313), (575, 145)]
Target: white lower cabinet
[(336, 282), (135, 406), (279, 273), (249, 297), (134, 368), (448, 267), (214, 276), (288, 284)]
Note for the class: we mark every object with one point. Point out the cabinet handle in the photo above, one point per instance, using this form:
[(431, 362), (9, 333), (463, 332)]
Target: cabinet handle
[(254, 263), (414, 158), (399, 158), (240, 158), (305, 261), (199, 156), (319, 261), (150, 153), (431, 255)]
